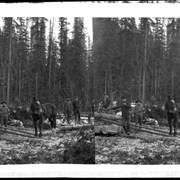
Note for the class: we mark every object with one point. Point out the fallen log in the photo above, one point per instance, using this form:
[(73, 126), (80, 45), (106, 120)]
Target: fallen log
[(99, 116), (19, 130), (16, 133), (107, 129), (134, 127), (149, 128), (73, 127), (107, 116)]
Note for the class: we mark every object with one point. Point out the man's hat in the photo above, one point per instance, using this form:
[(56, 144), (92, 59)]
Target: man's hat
[(138, 101)]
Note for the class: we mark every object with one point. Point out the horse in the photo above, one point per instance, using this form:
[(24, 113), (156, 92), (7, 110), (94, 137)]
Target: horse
[(36, 112), (42, 111), (50, 112)]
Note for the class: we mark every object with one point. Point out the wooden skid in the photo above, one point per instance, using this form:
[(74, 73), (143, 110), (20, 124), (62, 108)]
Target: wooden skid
[(16, 132), (19, 130), (73, 127)]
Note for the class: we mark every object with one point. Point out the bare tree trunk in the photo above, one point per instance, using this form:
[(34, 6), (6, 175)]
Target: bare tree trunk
[(19, 80), (9, 64), (50, 54), (144, 67), (121, 81), (36, 84), (106, 81), (172, 84), (155, 81), (110, 81)]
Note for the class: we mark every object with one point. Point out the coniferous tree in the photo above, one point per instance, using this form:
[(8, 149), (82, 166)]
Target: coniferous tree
[(77, 61)]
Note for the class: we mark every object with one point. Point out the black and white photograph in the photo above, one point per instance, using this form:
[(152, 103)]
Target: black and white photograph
[(90, 89)]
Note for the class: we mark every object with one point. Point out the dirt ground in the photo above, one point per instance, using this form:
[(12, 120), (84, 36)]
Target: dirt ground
[(63, 147), (16, 149), (138, 148)]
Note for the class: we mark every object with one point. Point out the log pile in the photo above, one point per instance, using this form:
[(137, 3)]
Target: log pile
[(117, 120)]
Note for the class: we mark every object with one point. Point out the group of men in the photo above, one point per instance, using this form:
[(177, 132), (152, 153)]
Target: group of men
[(138, 111), (70, 107)]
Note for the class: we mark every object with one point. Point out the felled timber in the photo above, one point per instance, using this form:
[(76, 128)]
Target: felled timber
[(19, 130), (73, 127), (107, 129), (112, 117), (107, 116), (134, 127), (16, 133)]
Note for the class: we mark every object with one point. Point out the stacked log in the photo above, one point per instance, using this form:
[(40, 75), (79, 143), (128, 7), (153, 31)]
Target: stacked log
[(117, 120)]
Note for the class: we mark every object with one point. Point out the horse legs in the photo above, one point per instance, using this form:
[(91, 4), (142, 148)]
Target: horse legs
[(170, 123), (52, 120), (40, 126), (35, 124), (175, 124)]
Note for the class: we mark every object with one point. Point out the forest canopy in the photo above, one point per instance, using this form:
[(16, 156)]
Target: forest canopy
[(134, 57)]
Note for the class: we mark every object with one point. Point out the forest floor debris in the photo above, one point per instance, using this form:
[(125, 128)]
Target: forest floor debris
[(138, 148), (50, 148)]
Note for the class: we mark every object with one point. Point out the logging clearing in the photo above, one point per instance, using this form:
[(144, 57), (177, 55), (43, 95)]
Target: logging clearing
[(146, 144), (18, 145)]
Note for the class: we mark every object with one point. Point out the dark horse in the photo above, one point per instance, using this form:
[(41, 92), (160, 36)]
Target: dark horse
[(40, 112), (50, 112)]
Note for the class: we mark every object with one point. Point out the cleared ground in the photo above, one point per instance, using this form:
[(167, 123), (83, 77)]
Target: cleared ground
[(138, 148)]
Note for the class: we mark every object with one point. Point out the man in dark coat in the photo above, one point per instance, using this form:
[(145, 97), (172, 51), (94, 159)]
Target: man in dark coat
[(126, 117), (37, 115), (106, 102), (171, 110), (76, 110)]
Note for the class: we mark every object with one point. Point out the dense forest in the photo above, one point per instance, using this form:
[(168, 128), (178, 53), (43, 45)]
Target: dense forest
[(34, 64), (137, 58), (134, 57)]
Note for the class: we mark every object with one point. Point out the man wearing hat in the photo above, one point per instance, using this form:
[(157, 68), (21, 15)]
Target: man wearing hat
[(4, 112), (106, 102), (138, 112)]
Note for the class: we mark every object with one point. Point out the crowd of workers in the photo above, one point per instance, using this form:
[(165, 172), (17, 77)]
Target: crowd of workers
[(72, 108), (171, 110)]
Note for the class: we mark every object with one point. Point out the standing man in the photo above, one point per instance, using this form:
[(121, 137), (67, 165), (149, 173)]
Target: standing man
[(171, 111), (67, 108), (76, 109), (37, 116), (125, 108), (4, 112), (91, 109), (138, 111), (107, 102)]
